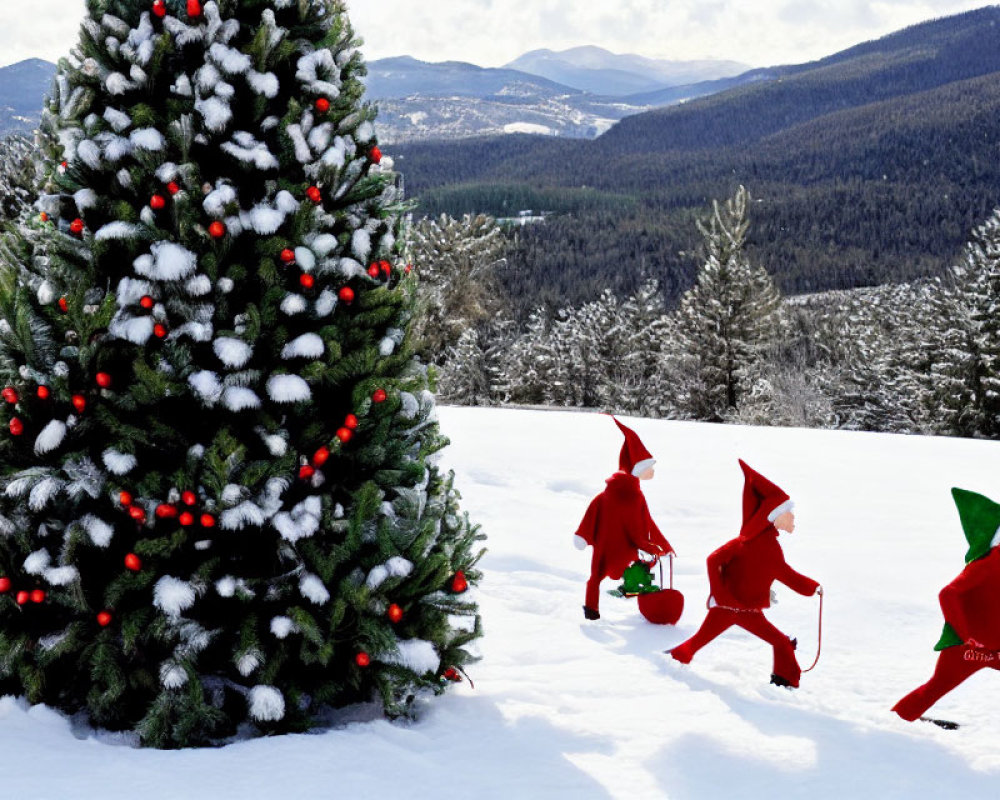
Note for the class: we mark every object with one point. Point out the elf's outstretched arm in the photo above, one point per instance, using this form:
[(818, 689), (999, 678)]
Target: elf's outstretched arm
[(796, 581)]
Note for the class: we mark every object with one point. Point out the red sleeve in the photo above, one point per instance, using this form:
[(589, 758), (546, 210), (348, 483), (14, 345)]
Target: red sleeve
[(589, 522), (653, 532), (795, 581)]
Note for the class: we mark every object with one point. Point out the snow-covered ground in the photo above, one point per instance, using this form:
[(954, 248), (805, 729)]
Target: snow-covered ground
[(568, 708)]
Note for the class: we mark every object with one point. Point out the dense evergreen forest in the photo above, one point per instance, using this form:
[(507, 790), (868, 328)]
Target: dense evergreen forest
[(867, 167)]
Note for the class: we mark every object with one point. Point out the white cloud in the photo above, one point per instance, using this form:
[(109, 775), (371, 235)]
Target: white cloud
[(490, 33)]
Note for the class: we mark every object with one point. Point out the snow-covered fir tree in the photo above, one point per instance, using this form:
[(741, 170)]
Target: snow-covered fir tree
[(218, 510), (456, 261), (17, 176), (966, 372), (727, 324)]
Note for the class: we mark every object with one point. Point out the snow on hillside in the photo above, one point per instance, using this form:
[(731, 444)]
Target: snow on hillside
[(568, 708)]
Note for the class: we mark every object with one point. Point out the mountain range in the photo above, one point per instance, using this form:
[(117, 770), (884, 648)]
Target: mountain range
[(22, 87), (870, 165)]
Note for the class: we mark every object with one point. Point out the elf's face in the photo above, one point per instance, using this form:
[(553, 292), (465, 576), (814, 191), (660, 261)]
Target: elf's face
[(785, 522), (646, 474)]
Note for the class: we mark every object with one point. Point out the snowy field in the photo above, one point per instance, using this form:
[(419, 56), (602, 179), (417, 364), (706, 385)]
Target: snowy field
[(575, 709)]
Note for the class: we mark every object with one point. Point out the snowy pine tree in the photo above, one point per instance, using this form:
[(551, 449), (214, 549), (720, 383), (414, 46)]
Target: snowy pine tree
[(217, 509), (17, 176), (728, 323)]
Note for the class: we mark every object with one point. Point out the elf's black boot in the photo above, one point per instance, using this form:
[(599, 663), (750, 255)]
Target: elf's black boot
[(777, 680), (590, 613)]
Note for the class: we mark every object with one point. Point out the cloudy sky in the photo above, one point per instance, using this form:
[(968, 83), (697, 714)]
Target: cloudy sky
[(492, 32)]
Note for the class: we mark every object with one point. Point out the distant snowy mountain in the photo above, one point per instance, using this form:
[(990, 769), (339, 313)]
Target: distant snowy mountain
[(600, 71), (22, 87)]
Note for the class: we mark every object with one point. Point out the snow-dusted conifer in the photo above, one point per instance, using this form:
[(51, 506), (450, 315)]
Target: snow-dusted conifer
[(214, 424)]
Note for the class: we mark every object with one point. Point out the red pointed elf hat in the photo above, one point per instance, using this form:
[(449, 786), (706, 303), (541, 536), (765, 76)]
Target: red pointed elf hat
[(634, 457), (763, 502)]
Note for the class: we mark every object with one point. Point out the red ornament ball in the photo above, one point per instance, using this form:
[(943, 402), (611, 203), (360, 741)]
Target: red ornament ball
[(207, 521), (76, 226), (16, 427), (451, 674), (103, 380), (409, 269), (63, 166), (166, 511), (307, 280), (306, 472), (125, 498), (344, 434), (10, 395), (287, 255), (321, 456), (22, 597), (43, 392), (394, 612), (159, 331), (186, 518), (43, 217), (351, 421), (133, 562), (376, 154), (194, 8), (346, 294), (173, 187), (4, 585), (373, 270), (189, 498), (379, 396), (147, 302), (458, 583), (79, 403), (104, 619), (322, 105), (314, 194), (216, 230), (63, 305), (157, 202), (362, 659), (37, 596), (138, 514), (159, 8), (386, 267)]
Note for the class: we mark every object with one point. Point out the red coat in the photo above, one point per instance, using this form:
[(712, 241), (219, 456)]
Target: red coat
[(617, 524), (971, 602), (740, 573)]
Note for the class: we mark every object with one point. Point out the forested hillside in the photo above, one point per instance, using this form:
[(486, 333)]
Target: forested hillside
[(868, 166)]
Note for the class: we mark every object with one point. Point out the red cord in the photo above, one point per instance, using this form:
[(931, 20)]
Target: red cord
[(819, 637)]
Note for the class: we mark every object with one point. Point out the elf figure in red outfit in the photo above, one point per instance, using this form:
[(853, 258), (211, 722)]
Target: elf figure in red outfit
[(971, 605), (740, 574), (617, 523)]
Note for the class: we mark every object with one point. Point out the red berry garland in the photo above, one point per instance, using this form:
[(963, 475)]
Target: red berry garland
[(125, 498), (166, 511), (189, 498), (321, 456), (22, 597), (4, 585), (79, 403), (207, 521), (306, 472), (43, 392), (10, 395), (288, 256), (138, 514), (344, 434), (37, 596), (16, 426), (351, 421), (186, 519), (373, 270)]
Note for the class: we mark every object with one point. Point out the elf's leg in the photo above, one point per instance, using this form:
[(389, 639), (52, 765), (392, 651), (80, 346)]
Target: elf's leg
[(786, 667), (591, 607), (717, 621), (954, 665)]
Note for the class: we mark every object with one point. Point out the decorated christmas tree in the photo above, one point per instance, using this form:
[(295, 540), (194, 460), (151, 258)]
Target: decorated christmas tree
[(219, 509)]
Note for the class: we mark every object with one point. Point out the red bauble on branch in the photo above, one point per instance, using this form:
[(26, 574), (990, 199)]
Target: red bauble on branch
[(189, 498), (43, 392), (386, 267), (79, 403), (351, 421), (306, 472), (159, 8), (159, 331), (194, 8), (344, 434), (166, 511), (76, 226), (346, 294), (125, 498), (216, 230), (63, 305), (287, 255), (207, 521), (321, 456), (157, 202), (16, 426), (138, 514), (43, 217), (22, 597), (186, 519), (379, 396), (314, 194), (4, 585), (376, 154), (147, 302), (306, 280), (373, 270), (133, 562), (103, 380), (173, 187), (394, 612), (322, 105), (362, 659), (458, 583), (10, 395), (37, 596), (104, 619)]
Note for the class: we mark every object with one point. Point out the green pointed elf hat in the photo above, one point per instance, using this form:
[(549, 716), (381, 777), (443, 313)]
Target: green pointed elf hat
[(980, 520)]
